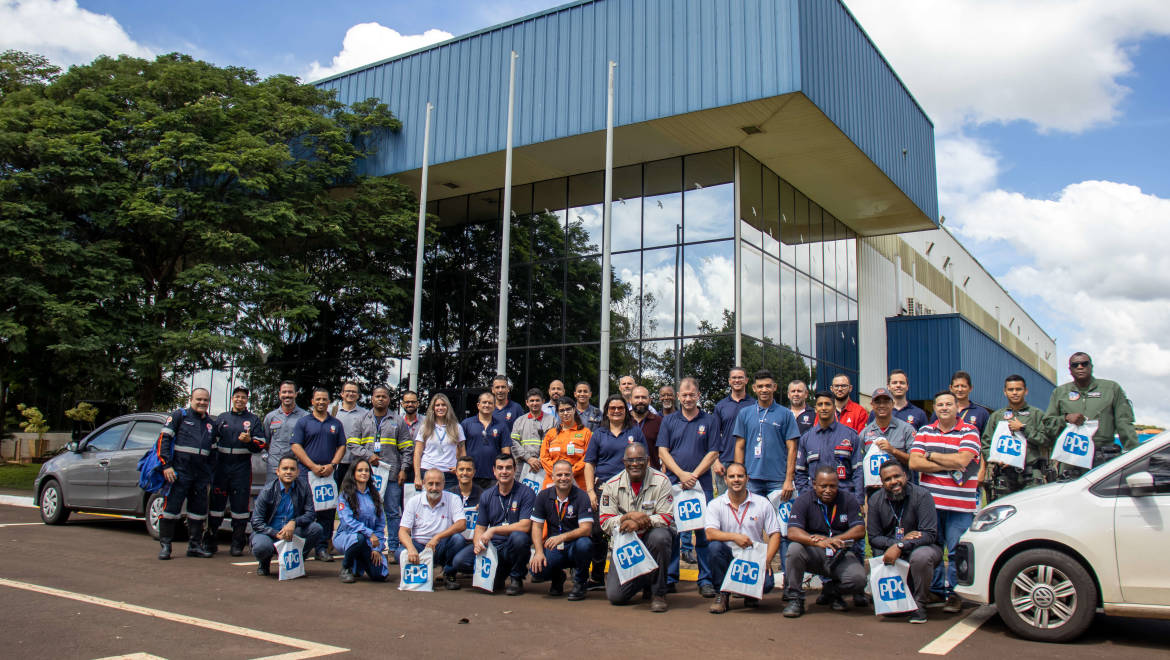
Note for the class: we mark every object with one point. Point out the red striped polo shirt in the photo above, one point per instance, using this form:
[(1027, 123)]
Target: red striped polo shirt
[(952, 490)]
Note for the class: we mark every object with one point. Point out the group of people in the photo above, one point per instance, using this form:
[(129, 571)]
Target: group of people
[(789, 477)]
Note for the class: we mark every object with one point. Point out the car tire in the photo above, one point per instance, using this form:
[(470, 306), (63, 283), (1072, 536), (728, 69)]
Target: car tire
[(153, 509), (52, 504), (1046, 596)]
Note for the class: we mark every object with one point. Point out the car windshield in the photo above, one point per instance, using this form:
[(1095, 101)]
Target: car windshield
[(1159, 439)]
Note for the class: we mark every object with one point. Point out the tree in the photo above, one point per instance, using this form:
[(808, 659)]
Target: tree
[(147, 206)]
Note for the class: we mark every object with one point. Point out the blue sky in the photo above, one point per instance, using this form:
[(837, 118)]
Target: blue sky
[(1052, 127)]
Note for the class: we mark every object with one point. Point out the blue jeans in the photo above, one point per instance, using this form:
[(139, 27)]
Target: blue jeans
[(762, 487), (577, 555), (264, 546), (951, 525), (719, 558), (392, 505), (513, 549), (700, 547), (357, 560)]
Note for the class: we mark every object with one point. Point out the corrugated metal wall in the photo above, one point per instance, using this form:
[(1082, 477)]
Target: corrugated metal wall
[(931, 348), (848, 79), (837, 349)]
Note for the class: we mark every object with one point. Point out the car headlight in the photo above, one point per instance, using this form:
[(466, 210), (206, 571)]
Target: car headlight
[(992, 516)]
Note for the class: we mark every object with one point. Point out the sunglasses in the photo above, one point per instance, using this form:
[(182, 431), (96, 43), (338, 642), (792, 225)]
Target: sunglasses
[(1083, 363)]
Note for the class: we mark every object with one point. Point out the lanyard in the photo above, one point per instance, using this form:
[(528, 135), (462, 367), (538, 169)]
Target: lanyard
[(504, 504), (898, 515), (739, 518), (828, 519), (441, 433), (562, 508)]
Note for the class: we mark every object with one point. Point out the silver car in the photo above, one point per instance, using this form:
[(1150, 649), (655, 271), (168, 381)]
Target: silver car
[(99, 473)]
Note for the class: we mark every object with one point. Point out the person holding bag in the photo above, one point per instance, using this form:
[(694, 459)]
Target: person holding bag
[(361, 535), (903, 524), (283, 509), (1016, 419), (739, 519)]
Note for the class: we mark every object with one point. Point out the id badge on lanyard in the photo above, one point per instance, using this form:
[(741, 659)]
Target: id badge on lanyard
[(759, 450)]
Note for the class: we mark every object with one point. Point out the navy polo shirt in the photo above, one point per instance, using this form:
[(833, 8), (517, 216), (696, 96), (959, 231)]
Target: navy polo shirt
[(911, 414), (766, 433), (806, 419), (607, 450), (496, 510), (974, 414), (726, 412), (561, 518), (484, 443), (472, 499), (689, 441), (809, 514), (320, 440), (508, 415)]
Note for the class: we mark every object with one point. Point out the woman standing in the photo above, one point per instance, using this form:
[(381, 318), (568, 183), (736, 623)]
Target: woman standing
[(568, 441), (360, 534), (439, 444)]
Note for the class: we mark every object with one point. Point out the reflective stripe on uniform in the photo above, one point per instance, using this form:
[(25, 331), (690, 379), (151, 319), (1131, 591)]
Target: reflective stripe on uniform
[(194, 450), (241, 516), (361, 441), (196, 516), (233, 450), (168, 431)]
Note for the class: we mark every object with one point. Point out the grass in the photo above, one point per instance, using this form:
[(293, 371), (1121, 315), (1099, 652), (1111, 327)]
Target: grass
[(18, 476)]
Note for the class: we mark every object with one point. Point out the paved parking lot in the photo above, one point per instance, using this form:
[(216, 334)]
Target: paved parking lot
[(93, 589)]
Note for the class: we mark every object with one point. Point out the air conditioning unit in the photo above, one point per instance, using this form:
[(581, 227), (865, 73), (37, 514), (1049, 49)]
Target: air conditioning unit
[(914, 307)]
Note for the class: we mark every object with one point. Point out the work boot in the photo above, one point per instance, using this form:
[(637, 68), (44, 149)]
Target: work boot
[(720, 604), (452, 581), (516, 587), (860, 600), (578, 592), (707, 590), (954, 604), (194, 544), (557, 588), (210, 543), (166, 533), (658, 604), (794, 608), (239, 537)]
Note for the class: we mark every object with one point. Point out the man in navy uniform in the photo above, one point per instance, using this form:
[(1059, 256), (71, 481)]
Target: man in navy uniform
[(562, 523), (504, 519), (239, 434), (186, 447), (318, 441)]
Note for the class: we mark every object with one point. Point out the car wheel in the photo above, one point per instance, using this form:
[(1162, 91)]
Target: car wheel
[(1045, 595), (52, 504), (154, 509)]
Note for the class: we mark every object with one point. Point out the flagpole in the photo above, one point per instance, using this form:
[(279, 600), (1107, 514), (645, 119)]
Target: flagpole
[(418, 254), (603, 376), (506, 238)]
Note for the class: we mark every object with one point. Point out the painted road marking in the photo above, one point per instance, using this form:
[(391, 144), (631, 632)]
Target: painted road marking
[(306, 648), (17, 500), (19, 524), (133, 656), (956, 634)]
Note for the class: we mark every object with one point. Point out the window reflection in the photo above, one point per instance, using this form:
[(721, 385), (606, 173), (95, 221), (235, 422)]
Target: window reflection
[(708, 286), (662, 203), (804, 341), (708, 196), (625, 295), (660, 271), (627, 208), (750, 198), (771, 296), (788, 313), (752, 322)]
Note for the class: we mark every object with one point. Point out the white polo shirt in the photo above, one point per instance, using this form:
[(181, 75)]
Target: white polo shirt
[(756, 518), (425, 521), (439, 452)]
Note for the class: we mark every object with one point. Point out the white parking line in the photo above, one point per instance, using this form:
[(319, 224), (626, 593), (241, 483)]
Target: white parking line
[(956, 634), (133, 656), (306, 648), (18, 500), (19, 524)]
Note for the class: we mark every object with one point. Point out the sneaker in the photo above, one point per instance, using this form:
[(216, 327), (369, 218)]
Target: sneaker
[(838, 604), (515, 586), (578, 592), (794, 608), (346, 576), (954, 604), (707, 590), (595, 585), (720, 604), (860, 600), (658, 604), (322, 555), (452, 582), (688, 557), (918, 616), (262, 570)]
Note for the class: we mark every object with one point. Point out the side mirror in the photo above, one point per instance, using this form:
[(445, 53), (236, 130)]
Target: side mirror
[(74, 446), (1140, 483)]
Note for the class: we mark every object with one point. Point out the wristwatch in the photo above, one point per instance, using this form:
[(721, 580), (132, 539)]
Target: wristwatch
[(901, 545)]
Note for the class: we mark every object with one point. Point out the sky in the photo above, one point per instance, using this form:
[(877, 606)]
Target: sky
[(1052, 128)]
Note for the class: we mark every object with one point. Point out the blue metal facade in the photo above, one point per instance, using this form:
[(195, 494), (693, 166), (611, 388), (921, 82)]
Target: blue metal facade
[(837, 345), (674, 57), (931, 348)]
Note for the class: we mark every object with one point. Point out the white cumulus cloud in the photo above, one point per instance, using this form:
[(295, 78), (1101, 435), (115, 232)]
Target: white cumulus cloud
[(63, 32), (369, 42)]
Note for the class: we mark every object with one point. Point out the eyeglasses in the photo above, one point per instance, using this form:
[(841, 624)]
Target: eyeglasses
[(837, 387), (564, 411), (635, 461), (616, 408), (1083, 363)]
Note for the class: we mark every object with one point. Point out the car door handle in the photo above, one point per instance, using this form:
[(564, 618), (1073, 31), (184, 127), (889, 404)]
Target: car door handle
[(105, 462)]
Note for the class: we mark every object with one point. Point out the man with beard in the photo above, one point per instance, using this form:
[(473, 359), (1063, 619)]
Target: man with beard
[(556, 390), (239, 433), (318, 442), (725, 412), (279, 425), (798, 406), (647, 421), (849, 412), (411, 422), (666, 399), (436, 522), (903, 524)]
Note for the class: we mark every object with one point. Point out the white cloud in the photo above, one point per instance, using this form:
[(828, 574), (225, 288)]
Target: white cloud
[(966, 167), (1054, 63), (63, 32), (1095, 257), (369, 42)]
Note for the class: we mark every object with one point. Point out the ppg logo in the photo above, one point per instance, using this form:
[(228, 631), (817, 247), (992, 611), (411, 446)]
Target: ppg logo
[(629, 554), (471, 515), (689, 509), (416, 574), (485, 567), (378, 482), (784, 510), (744, 572), (875, 462), (1009, 444), (1075, 443), (532, 484), (891, 588), (323, 492), (292, 559)]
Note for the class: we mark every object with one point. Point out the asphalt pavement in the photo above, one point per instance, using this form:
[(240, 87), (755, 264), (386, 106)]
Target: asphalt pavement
[(93, 589)]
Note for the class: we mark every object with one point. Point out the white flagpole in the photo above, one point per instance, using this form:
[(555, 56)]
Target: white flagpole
[(603, 377), (506, 239), (416, 323)]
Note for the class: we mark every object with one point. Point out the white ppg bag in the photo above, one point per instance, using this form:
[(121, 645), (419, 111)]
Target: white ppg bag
[(534, 479), (291, 556), (1074, 445), (689, 506), (470, 516), (1007, 447), (486, 564), (381, 477), (746, 572), (408, 493), (782, 510), (891, 587), (631, 557), (420, 576), (874, 458), (324, 491)]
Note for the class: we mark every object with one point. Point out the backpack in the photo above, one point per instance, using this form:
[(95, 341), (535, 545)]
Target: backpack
[(150, 477)]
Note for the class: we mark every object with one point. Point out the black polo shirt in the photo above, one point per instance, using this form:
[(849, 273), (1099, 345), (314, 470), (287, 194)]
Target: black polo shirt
[(559, 518), (812, 515)]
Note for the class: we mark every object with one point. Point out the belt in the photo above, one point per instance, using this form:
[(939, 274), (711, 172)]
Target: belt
[(193, 450), (234, 450)]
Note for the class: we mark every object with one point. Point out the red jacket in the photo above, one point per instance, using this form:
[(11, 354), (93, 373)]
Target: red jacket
[(853, 416)]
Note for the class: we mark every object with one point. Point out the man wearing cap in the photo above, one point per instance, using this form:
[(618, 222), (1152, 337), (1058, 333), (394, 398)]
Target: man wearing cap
[(239, 434), (891, 434)]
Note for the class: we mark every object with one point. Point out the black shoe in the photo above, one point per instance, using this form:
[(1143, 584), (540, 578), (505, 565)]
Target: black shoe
[(322, 555), (166, 532), (838, 604), (595, 585), (557, 588), (918, 616), (237, 550), (794, 609), (346, 576), (210, 543), (262, 570), (515, 587), (707, 590), (165, 552), (452, 582), (578, 592), (689, 557), (672, 588), (825, 598), (647, 593), (658, 604), (196, 549), (195, 544), (860, 600)]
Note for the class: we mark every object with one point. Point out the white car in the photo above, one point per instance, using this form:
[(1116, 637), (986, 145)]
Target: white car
[(1051, 557)]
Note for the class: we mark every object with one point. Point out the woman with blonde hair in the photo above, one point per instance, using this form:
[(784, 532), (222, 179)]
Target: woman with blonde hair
[(440, 442)]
